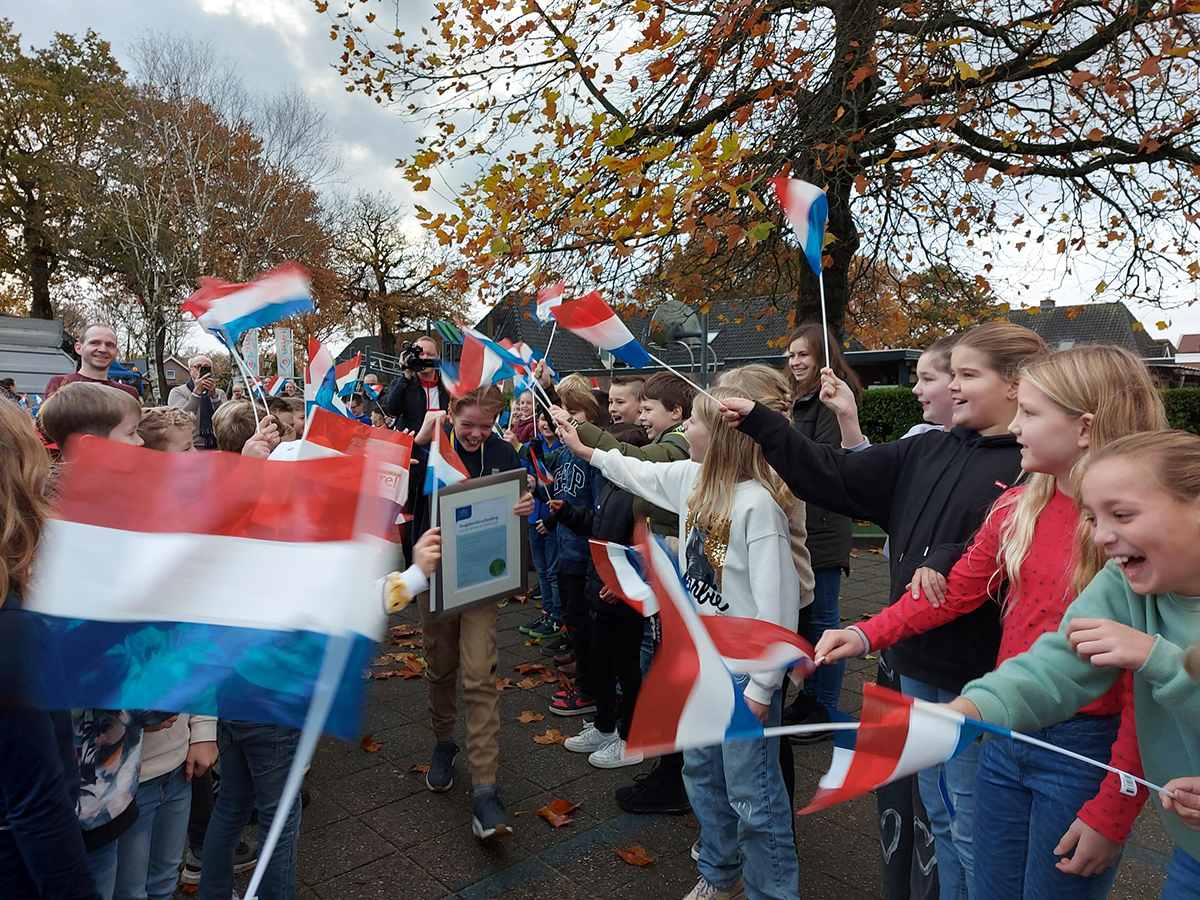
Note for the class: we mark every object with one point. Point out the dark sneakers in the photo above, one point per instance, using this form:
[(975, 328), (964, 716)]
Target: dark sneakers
[(245, 857), (653, 794), (573, 704), (555, 645), (488, 818), (440, 777), (543, 626), (817, 716)]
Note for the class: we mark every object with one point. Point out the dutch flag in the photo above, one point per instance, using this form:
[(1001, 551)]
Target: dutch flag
[(233, 309), (444, 467), (483, 362), (807, 210), (595, 321), (345, 376), (548, 298)]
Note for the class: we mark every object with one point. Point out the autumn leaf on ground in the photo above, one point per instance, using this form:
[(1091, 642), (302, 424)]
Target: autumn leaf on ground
[(533, 642), (369, 743), (564, 681), (404, 631), (636, 856), (526, 668), (549, 678), (384, 660), (878, 550), (382, 676), (558, 812), (528, 716), (854, 554), (552, 736), (413, 668), (503, 684), (418, 767), (526, 684)]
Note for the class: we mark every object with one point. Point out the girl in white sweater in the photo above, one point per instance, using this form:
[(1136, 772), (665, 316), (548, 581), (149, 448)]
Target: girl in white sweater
[(737, 552)]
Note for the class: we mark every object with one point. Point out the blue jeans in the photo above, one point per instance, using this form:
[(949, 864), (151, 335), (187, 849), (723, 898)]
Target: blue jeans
[(102, 862), (826, 683), (737, 793), (1183, 877), (148, 854), (254, 766), (544, 550), (948, 793), (1032, 797)]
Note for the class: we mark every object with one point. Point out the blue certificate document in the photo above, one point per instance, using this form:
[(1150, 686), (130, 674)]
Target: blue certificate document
[(481, 542)]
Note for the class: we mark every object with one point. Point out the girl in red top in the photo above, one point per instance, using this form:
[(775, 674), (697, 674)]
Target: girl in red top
[(1045, 829)]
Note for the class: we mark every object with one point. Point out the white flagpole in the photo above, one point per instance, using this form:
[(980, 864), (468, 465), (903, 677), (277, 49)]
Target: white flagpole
[(237, 357), (435, 451), (824, 318), (550, 343), (674, 372)]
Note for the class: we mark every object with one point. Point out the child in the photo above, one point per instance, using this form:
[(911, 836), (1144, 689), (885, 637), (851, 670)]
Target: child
[(95, 409), (930, 493), (612, 657), (578, 485), (1140, 498), (738, 561), (543, 536), (829, 534), (522, 425), (467, 640), (167, 428), (625, 398), (1069, 405), (41, 847)]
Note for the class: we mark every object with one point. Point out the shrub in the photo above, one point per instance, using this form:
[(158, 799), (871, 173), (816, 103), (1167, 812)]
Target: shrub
[(1183, 408), (886, 413)]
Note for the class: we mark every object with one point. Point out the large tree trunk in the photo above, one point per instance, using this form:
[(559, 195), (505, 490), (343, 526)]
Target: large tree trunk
[(42, 263)]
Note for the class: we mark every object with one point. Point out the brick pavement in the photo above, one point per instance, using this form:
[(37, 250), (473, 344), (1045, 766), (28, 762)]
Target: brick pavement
[(372, 830)]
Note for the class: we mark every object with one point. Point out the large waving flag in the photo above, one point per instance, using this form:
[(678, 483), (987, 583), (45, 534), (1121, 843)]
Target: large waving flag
[(320, 380), (444, 467), (597, 323), (897, 736), (807, 210), (548, 298), (689, 698), (483, 362), (233, 309), (620, 572), (346, 375), (224, 580)]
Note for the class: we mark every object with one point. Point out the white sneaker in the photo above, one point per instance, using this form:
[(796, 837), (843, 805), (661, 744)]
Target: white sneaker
[(704, 890), (589, 740), (612, 756)]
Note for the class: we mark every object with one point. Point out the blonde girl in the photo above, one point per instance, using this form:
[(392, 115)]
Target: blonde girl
[(738, 561), (1051, 831)]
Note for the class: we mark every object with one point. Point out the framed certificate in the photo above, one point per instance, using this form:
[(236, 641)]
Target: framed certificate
[(485, 556)]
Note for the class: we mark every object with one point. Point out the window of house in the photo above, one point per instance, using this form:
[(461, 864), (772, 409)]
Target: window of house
[(170, 373)]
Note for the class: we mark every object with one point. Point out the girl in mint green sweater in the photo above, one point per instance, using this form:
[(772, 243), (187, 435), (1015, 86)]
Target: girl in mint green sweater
[(1141, 498)]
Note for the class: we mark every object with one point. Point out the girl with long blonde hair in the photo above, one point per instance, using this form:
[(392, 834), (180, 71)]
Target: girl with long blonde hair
[(738, 560), (1050, 831)]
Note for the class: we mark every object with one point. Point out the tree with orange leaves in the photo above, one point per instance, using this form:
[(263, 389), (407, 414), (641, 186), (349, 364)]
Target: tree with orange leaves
[(601, 136)]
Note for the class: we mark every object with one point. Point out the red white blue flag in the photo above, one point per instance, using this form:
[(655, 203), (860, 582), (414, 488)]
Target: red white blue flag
[(233, 309), (483, 362), (346, 375), (444, 467), (807, 210), (597, 323), (548, 298)]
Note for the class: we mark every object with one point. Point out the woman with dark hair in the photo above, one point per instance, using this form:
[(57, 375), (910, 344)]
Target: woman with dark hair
[(829, 534)]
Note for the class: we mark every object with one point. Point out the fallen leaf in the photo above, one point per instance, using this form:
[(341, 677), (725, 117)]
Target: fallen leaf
[(414, 668), (564, 681), (404, 631), (878, 550), (369, 743), (418, 767), (549, 678), (382, 661), (533, 642), (526, 668), (528, 716), (503, 684), (636, 856), (526, 684), (381, 676), (558, 812), (552, 736)]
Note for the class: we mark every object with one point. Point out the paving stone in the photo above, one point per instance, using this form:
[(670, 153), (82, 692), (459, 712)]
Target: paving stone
[(457, 860), (385, 879), (421, 816), (591, 860), (529, 879), (372, 788), (337, 849)]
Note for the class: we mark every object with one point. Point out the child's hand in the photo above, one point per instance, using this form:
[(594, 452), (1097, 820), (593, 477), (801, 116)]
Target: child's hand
[(542, 373), (573, 442), (540, 525), (1093, 851), (608, 596), (760, 710), (964, 706), (1103, 642), (561, 417), (200, 758), (524, 506), (511, 438), (836, 394), (929, 582), (427, 552), (264, 440), (268, 427), (1186, 803), (433, 419), (734, 409), (839, 643), (555, 506)]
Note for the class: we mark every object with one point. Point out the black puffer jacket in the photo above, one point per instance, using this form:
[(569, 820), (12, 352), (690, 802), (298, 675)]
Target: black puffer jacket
[(406, 401), (829, 533), (611, 521)]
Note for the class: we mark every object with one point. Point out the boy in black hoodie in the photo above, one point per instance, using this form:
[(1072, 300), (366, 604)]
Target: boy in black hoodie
[(613, 655)]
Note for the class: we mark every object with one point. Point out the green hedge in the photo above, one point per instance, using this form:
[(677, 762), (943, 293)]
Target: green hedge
[(886, 413)]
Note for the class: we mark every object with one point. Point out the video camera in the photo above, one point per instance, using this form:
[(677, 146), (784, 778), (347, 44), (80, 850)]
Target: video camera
[(411, 359)]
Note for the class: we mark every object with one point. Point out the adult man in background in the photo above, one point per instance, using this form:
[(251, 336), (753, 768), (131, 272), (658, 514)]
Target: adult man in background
[(419, 389), (97, 351), (200, 396)]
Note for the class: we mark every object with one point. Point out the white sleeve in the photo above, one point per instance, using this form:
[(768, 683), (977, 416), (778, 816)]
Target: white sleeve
[(775, 587), (665, 484), (399, 588)]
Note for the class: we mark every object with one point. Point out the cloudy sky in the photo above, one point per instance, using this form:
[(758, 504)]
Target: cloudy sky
[(275, 44)]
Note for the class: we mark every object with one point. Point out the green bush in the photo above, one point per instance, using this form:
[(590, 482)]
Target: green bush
[(1183, 408), (886, 413)]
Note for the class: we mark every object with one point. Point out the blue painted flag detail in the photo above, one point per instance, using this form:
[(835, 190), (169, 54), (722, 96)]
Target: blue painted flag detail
[(807, 209)]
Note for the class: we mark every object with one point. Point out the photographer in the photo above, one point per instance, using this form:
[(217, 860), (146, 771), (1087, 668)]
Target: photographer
[(420, 389), (200, 396)]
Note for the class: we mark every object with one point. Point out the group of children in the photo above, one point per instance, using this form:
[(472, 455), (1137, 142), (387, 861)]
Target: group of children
[(1041, 537)]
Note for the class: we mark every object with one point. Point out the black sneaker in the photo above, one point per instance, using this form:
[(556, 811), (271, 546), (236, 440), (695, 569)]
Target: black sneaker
[(440, 777), (555, 645), (245, 858), (488, 817), (651, 794), (798, 710), (818, 716)]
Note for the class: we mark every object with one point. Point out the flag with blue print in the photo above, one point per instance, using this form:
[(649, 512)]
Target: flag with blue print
[(483, 362), (597, 323), (689, 698), (444, 467), (320, 381), (807, 210), (346, 376), (231, 310)]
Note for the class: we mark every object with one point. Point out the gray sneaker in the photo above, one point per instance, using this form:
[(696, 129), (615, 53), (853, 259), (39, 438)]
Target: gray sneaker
[(440, 777), (488, 817)]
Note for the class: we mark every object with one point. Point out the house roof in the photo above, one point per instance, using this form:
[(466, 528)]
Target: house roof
[(1090, 323), (1188, 343)]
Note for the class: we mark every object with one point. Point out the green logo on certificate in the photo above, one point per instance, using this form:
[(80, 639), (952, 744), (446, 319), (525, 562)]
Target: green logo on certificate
[(497, 567)]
